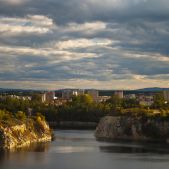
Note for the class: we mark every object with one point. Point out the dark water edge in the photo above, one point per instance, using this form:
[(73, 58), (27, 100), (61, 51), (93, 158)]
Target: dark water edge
[(142, 148), (73, 125), (78, 149)]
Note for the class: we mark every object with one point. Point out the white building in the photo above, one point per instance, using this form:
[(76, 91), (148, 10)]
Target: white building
[(104, 98)]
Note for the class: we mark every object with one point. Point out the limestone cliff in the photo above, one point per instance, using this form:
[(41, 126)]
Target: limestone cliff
[(132, 128), (24, 133)]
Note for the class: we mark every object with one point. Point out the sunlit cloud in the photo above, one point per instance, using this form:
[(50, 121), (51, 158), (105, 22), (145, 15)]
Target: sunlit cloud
[(82, 43), (14, 2), (32, 24)]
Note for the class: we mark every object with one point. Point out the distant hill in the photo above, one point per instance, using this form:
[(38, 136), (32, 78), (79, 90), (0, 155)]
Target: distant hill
[(19, 91), (101, 92), (15, 90), (137, 91), (154, 89)]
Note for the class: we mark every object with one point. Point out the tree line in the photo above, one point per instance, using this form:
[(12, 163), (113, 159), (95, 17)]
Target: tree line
[(82, 108)]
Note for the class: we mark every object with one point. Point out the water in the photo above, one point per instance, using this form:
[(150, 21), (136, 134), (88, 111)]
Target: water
[(79, 150)]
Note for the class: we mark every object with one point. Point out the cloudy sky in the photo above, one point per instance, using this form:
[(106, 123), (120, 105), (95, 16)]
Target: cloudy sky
[(110, 44)]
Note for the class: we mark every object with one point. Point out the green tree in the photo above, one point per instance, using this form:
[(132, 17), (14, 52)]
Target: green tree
[(159, 101), (82, 99), (130, 103), (36, 97), (115, 102)]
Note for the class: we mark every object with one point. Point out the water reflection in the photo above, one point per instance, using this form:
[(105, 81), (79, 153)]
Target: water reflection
[(2, 155), (131, 149), (39, 147), (72, 149), (80, 150), (22, 154), (36, 147)]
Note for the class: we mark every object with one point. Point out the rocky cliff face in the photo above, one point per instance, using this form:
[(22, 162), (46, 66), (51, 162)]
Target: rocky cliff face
[(130, 128), (23, 134)]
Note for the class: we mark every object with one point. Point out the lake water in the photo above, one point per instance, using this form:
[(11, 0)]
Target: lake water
[(79, 150)]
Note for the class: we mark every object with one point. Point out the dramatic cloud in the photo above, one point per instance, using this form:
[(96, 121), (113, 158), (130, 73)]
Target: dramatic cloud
[(32, 24), (84, 43)]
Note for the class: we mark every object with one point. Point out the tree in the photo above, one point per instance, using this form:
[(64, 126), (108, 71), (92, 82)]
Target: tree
[(130, 103), (82, 99), (159, 101), (36, 97), (115, 102)]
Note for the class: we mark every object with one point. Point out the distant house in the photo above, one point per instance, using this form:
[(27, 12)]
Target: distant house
[(16, 97), (130, 96), (103, 98), (145, 100), (60, 101)]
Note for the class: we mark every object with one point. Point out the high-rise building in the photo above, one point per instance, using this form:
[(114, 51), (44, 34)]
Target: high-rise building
[(94, 94), (48, 96), (119, 94), (166, 95)]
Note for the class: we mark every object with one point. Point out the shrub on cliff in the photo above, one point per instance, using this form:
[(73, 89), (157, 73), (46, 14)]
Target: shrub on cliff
[(5, 115), (20, 115), (40, 123)]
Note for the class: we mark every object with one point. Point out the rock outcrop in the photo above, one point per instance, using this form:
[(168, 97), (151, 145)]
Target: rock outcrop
[(132, 128), (23, 134)]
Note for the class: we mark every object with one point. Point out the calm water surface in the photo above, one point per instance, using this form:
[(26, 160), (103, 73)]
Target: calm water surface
[(79, 150)]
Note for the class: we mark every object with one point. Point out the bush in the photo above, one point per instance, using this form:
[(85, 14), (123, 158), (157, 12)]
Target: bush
[(2, 114), (20, 115), (40, 116)]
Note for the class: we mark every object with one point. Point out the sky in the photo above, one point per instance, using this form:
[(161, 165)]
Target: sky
[(110, 44)]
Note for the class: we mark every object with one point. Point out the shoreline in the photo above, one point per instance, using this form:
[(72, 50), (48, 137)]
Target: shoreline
[(69, 125)]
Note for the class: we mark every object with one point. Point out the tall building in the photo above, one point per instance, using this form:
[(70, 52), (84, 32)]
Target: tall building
[(69, 93), (166, 95), (119, 94), (94, 94), (48, 96)]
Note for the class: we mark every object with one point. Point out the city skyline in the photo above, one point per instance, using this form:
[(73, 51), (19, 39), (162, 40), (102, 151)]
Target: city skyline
[(111, 44)]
